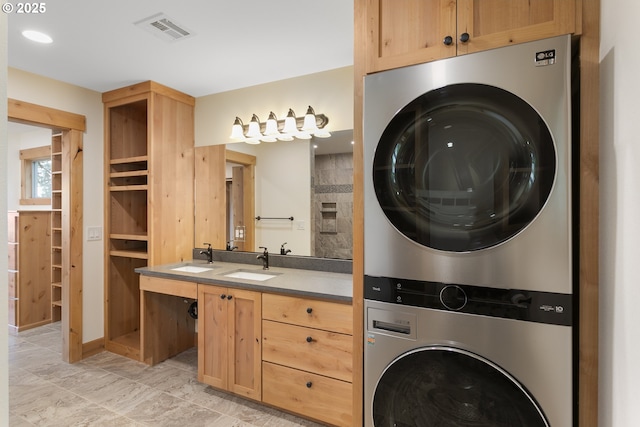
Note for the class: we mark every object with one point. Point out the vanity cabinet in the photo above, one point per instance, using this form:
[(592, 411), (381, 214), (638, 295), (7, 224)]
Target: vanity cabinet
[(230, 339), (29, 269), (407, 32), (149, 140), (307, 357)]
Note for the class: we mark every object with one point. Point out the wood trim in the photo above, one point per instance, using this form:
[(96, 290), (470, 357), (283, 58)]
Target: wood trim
[(27, 156), (74, 126), (37, 115), (72, 226), (143, 88), (360, 64), (248, 162), (92, 348), (589, 213), (35, 153)]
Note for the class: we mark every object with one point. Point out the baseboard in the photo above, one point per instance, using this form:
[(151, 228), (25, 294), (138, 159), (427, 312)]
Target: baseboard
[(92, 347)]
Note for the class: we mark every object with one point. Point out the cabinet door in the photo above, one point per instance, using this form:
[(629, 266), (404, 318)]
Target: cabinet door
[(245, 343), (496, 23), (406, 32), (213, 336)]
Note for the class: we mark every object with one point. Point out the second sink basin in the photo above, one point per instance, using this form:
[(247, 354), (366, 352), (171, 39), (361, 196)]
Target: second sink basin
[(251, 275)]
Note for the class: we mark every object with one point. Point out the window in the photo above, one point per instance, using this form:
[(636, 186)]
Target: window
[(36, 176)]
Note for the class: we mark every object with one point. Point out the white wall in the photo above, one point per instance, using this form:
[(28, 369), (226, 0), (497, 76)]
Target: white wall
[(62, 96), (4, 303), (329, 93), (20, 139), (619, 374)]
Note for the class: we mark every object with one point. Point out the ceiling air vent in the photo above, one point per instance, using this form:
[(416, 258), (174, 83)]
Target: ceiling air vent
[(161, 26)]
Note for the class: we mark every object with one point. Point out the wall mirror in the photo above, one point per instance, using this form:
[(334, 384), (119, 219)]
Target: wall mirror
[(303, 195)]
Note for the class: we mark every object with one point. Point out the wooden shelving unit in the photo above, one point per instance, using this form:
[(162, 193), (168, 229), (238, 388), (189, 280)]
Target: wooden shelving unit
[(29, 269), (149, 138), (56, 227)]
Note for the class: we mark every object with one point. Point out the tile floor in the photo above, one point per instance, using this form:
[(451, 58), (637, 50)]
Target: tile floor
[(110, 390)]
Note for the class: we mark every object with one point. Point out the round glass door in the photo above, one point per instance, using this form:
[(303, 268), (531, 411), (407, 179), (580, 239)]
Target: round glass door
[(463, 168), (449, 387)]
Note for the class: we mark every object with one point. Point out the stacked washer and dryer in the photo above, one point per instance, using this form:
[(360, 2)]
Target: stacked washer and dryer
[(469, 264)]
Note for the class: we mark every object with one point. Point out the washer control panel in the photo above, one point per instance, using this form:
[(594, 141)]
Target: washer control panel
[(543, 307)]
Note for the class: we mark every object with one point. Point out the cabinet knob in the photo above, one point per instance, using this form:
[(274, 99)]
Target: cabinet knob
[(448, 40), (309, 384), (464, 37), (309, 339), (309, 310), (223, 296), (229, 296)]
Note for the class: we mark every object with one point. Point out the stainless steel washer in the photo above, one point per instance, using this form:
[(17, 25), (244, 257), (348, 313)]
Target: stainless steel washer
[(449, 355)]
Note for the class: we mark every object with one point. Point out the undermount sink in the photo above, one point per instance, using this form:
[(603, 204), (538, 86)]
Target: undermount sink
[(192, 269), (251, 275)]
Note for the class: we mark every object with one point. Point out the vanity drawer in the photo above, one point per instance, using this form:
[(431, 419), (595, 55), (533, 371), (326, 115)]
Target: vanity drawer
[(308, 312), (169, 287), (13, 256), (314, 350), (325, 399)]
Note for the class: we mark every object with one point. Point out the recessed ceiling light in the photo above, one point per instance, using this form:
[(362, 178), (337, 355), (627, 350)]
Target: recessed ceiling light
[(37, 36)]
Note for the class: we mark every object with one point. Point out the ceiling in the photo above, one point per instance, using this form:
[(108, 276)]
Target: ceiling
[(232, 43)]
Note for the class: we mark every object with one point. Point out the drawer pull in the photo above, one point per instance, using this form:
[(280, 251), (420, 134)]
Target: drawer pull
[(309, 310), (309, 384), (309, 339)]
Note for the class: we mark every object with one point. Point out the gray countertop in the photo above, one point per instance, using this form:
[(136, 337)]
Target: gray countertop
[(306, 283)]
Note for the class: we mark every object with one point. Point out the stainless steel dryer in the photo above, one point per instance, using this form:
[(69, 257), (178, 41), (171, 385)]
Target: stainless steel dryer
[(467, 167)]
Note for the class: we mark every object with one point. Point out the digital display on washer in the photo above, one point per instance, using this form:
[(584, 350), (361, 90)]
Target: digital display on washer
[(543, 307)]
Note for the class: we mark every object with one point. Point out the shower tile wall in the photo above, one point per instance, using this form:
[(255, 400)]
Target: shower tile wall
[(333, 205)]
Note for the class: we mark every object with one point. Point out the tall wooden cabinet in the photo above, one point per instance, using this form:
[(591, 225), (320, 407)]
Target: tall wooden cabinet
[(29, 269), (407, 32), (149, 142)]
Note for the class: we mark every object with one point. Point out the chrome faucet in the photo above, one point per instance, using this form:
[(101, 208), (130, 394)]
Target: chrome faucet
[(209, 253), (265, 258), (284, 251)]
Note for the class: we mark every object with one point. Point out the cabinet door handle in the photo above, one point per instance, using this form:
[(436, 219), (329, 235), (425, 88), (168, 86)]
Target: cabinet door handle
[(448, 40), (223, 296), (309, 384), (309, 310), (229, 296), (309, 339), (464, 37)]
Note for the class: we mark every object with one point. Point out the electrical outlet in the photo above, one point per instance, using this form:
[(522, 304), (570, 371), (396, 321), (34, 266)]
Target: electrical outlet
[(94, 233)]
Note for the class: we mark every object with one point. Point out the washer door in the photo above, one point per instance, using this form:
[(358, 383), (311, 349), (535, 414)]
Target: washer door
[(444, 386), (464, 167)]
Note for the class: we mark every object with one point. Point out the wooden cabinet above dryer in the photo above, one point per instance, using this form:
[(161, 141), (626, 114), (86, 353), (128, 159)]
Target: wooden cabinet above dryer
[(407, 32)]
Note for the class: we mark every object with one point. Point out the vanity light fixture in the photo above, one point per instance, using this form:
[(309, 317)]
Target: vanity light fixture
[(281, 130)]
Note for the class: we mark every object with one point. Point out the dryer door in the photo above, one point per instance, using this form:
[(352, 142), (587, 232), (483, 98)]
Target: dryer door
[(445, 386), (464, 167)]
